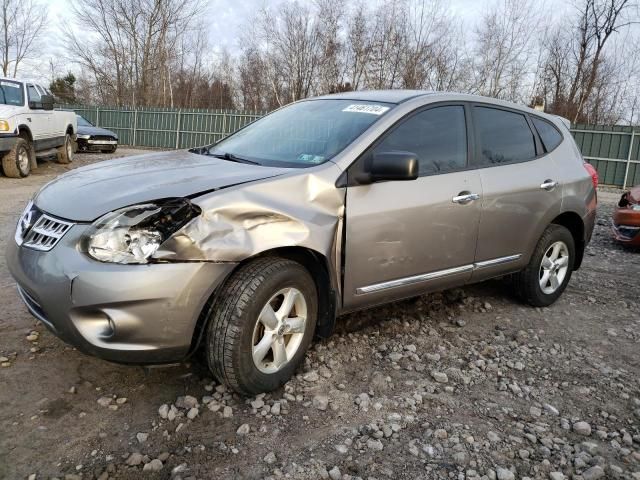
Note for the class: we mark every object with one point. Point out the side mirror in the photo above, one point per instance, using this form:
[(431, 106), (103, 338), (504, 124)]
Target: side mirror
[(47, 102), (393, 166)]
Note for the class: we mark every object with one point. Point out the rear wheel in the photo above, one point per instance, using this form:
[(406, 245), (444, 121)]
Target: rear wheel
[(65, 152), (549, 270), (16, 163), (261, 325)]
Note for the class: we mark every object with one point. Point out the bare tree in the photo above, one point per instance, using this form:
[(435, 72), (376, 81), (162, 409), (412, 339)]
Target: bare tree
[(291, 50), (135, 48), (504, 43), (23, 23), (358, 46), (157, 52), (388, 45), (580, 73), (426, 32), (331, 69)]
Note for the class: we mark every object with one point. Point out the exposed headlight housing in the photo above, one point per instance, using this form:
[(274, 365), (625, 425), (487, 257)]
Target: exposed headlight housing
[(83, 137), (133, 234), (4, 126)]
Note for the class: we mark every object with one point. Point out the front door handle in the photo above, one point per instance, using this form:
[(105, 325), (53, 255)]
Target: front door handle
[(465, 197), (548, 185)]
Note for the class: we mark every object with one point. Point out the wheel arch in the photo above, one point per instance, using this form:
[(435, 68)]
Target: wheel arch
[(24, 129), (318, 267), (25, 132), (69, 130), (574, 223)]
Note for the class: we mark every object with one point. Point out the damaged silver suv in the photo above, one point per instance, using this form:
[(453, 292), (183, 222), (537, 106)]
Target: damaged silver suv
[(252, 246)]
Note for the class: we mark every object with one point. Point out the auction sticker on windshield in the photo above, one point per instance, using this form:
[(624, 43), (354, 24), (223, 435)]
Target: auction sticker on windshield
[(372, 109)]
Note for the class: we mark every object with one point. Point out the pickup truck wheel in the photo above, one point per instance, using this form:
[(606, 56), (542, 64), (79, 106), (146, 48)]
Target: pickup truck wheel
[(16, 163), (549, 270), (65, 152), (261, 325)]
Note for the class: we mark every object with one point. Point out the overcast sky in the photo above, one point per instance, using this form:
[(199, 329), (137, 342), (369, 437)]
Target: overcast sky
[(228, 17)]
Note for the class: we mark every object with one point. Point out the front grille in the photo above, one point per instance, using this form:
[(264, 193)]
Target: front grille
[(101, 137), (40, 231), (46, 233)]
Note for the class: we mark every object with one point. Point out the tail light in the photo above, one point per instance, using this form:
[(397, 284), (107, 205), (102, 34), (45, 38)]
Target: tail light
[(592, 171)]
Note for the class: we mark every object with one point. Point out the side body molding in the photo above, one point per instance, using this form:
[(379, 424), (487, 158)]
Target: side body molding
[(425, 277)]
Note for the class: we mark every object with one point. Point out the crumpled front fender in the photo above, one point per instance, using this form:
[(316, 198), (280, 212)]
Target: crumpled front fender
[(303, 209)]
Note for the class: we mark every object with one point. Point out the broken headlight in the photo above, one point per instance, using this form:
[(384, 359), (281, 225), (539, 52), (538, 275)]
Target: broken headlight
[(133, 234)]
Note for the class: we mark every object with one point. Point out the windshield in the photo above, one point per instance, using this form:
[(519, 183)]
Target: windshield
[(11, 93), (301, 135), (83, 122)]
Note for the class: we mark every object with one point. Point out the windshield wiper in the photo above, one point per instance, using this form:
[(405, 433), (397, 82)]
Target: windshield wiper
[(233, 158)]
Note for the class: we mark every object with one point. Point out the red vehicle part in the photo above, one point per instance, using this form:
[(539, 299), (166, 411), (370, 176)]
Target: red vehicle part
[(626, 218)]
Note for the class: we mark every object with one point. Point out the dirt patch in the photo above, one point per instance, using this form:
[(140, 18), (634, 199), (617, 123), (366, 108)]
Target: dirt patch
[(467, 383)]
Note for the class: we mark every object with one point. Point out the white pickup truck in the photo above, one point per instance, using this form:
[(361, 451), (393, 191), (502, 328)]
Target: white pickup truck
[(30, 128)]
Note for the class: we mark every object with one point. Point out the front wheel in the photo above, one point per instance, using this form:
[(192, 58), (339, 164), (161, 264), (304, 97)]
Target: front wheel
[(261, 325), (16, 163), (542, 282)]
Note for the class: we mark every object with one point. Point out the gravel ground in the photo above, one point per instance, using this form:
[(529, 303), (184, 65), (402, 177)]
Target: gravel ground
[(463, 384)]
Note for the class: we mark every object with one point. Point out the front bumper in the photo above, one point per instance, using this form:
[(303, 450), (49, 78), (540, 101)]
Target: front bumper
[(625, 225), (96, 145), (7, 142), (122, 313)]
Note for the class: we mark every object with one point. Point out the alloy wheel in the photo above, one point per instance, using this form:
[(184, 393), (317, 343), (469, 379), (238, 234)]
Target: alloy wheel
[(279, 331), (554, 267), (23, 159)]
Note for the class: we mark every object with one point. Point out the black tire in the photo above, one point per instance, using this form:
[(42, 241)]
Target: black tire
[(234, 316), (527, 282), (13, 162), (65, 152), (32, 152)]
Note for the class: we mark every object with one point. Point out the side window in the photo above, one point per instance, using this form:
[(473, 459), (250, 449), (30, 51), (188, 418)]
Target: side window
[(549, 134), (437, 136), (504, 137), (33, 94)]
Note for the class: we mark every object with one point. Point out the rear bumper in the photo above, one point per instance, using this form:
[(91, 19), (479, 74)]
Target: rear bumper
[(121, 313)]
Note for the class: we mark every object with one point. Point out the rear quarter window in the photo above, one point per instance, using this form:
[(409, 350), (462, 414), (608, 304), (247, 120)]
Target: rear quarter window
[(504, 136), (549, 134)]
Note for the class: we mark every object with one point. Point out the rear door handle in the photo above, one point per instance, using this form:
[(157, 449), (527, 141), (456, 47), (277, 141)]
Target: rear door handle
[(548, 185), (465, 197)]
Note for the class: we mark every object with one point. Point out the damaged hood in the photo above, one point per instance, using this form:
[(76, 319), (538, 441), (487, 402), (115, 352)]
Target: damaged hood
[(83, 130), (89, 192)]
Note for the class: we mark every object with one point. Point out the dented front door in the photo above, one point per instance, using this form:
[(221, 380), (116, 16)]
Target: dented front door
[(406, 238)]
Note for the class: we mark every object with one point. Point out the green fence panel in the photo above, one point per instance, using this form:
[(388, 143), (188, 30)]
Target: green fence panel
[(166, 127), (612, 150), (120, 121)]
